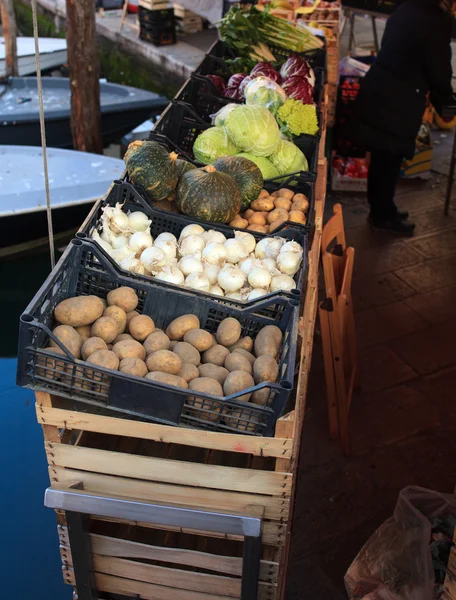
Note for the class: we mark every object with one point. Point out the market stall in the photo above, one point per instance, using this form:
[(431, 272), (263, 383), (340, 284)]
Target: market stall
[(170, 347)]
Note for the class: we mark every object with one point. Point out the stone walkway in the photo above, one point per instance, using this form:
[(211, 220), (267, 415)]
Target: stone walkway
[(403, 420)]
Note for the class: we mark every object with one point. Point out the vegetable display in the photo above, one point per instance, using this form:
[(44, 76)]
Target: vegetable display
[(245, 173), (151, 166)]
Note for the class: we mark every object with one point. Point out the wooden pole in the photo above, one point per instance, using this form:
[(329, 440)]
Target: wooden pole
[(84, 76), (10, 35)]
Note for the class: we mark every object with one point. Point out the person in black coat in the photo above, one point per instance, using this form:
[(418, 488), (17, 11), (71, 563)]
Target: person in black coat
[(415, 58)]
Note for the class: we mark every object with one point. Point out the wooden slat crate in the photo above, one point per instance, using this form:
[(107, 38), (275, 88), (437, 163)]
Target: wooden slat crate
[(154, 4), (186, 20)]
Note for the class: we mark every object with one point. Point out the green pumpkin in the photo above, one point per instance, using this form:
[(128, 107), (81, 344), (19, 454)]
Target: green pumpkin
[(208, 195), (150, 165), (183, 166), (245, 173)]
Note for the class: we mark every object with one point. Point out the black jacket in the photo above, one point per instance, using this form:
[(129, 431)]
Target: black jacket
[(415, 58)]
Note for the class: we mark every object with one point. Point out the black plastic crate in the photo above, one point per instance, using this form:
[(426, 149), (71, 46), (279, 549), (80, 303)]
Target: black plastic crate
[(179, 126), (173, 223), (157, 34), (114, 392), (163, 17)]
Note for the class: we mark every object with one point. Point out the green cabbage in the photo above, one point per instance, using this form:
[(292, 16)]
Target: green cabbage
[(266, 167), (262, 91), (220, 116), (213, 143), (253, 129), (288, 158)]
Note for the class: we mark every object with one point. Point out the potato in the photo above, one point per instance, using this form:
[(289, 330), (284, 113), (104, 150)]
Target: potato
[(119, 316), (248, 355), (265, 368), (156, 341), (79, 311), (92, 345), (300, 202), (187, 353), (238, 381), (278, 214), (122, 337), (179, 327), (129, 349), (141, 327), (213, 372), (268, 341), (125, 297), (206, 385), (228, 332), (257, 228), (104, 358), (49, 367), (263, 194), (172, 343), (131, 315), (286, 193), (248, 213), (199, 338), (275, 194), (133, 366), (70, 338), (237, 362), (188, 372), (245, 342), (161, 377), (84, 332), (239, 222), (238, 419), (106, 328), (297, 216), (276, 225), (216, 355), (262, 204), (282, 203), (257, 219), (164, 361)]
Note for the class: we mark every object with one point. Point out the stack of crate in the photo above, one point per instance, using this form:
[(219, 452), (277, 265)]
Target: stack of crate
[(156, 22), (186, 20)]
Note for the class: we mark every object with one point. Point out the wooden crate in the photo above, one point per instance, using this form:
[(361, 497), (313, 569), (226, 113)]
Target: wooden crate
[(186, 20), (154, 4)]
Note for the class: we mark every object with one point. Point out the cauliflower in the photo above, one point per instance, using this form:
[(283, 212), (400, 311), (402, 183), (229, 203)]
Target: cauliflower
[(297, 118)]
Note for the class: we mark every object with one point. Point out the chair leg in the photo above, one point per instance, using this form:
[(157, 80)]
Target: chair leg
[(329, 372)]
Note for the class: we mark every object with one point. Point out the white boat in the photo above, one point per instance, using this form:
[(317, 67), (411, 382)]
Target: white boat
[(76, 179), (53, 54)]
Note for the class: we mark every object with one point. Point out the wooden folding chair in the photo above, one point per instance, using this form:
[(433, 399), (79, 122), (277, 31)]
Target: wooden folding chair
[(338, 327)]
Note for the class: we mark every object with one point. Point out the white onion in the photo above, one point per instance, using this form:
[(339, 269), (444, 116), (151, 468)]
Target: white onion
[(165, 236), (139, 241), (288, 262), (234, 296), (282, 282), (257, 293), (198, 281), (191, 244), (134, 265), (169, 247), (259, 277), (231, 278), (103, 243), (292, 247), (247, 265), (268, 247), (119, 241), (121, 253), (211, 272), (138, 221), (116, 219), (153, 259), (247, 240), (213, 236), (214, 253), (192, 229), (270, 264), (235, 251), (190, 264), (171, 275), (216, 290)]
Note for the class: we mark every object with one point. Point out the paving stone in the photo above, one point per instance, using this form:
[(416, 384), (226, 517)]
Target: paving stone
[(439, 244), (440, 389), (433, 220), (437, 306), (381, 368), (370, 261), (379, 290), (416, 202), (385, 323), (389, 416), (429, 350), (431, 274), (365, 237), (355, 215)]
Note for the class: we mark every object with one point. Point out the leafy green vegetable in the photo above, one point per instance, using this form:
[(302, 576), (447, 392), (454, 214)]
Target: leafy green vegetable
[(262, 91), (212, 144), (297, 118), (253, 129), (288, 158), (268, 170)]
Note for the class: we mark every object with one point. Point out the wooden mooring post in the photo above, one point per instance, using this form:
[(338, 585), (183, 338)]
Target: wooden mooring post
[(84, 76), (10, 35)]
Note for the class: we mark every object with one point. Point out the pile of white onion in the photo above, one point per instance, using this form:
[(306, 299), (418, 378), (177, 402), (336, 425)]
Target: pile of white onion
[(237, 268)]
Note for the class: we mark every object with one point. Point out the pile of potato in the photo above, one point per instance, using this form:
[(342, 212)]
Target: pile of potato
[(114, 335), (270, 211)]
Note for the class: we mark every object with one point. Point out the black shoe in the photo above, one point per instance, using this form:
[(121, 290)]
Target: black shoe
[(394, 225), (402, 215)]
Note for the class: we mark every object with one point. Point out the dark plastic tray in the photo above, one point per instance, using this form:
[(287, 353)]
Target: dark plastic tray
[(180, 126), (174, 223), (118, 393)]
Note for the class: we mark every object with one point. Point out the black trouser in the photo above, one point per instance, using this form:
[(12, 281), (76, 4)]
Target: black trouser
[(384, 171)]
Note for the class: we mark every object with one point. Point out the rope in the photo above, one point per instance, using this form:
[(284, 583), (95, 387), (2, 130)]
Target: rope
[(43, 135)]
